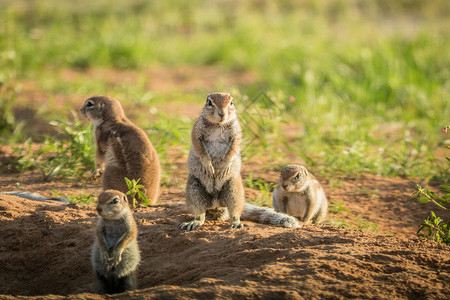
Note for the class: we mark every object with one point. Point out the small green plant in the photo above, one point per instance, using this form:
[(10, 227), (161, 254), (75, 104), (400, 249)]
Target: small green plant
[(135, 190), (338, 223), (337, 207), (364, 224), (434, 226)]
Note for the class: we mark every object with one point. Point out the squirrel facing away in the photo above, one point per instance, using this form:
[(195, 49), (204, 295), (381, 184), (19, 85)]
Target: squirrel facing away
[(214, 184), (122, 148), (299, 194), (115, 254)]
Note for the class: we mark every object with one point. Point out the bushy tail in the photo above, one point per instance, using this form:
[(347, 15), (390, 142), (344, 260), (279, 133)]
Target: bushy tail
[(268, 215), (34, 196)]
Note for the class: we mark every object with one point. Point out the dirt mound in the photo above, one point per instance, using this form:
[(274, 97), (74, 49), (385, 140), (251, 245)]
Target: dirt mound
[(45, 247)]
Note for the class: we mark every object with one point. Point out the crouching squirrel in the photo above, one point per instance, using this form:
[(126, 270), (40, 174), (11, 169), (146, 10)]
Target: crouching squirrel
[(299, 194)]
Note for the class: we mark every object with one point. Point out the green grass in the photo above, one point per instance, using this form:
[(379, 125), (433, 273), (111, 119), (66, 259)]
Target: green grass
[(369, 81), (264, 196), (67, 156), (80, 199), (357, 223)]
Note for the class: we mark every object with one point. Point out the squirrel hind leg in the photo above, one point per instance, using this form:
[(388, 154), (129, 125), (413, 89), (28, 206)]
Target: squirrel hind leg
[(198, 200), (128, 282), (114, 285), (103, 284), (196, 195), (232, 196)]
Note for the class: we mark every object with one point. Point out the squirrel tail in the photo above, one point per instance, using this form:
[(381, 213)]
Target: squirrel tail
[(268, 215), (34, 196)]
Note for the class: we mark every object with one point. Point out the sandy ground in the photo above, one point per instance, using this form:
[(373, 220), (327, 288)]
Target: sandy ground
[(45, 247)]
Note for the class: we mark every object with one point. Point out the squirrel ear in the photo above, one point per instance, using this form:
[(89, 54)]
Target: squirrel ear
[(125, 199), (306, 172)]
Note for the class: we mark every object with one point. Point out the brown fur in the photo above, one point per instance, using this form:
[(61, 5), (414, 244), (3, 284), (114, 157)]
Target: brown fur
[(122, 148)]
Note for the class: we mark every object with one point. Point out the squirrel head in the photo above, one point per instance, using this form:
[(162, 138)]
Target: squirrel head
[(100, 108), (219, 108), (293, 178), (112, 204)]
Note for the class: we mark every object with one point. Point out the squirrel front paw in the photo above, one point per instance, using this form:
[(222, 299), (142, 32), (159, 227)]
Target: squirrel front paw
[(223, 170), (97, 173), (209, 168), (115, 258), (188, 226)]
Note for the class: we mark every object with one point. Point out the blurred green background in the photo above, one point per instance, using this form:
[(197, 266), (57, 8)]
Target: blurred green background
[(346, 86)]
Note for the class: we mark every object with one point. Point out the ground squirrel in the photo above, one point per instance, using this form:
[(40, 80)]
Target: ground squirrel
[(299, 194), (122, 148), (214, 184), (214, 162), (115, 254)]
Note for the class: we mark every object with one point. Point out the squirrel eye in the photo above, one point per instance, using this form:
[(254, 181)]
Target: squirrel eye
[(89, 103), (115, 200), (208, 102), (298, 176), (231, 103)]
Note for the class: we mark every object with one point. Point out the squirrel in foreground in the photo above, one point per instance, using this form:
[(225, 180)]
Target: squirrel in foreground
[(122, 148), (299, 194), (214, 184), (115, 254)]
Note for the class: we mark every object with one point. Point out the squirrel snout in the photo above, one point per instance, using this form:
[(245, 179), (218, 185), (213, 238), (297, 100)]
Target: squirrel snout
[(99, 209), (284, 186)]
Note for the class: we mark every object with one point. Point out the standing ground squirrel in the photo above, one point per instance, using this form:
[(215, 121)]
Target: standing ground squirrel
[(115, 254), (122, 148), (214, 162), (299, 194)]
